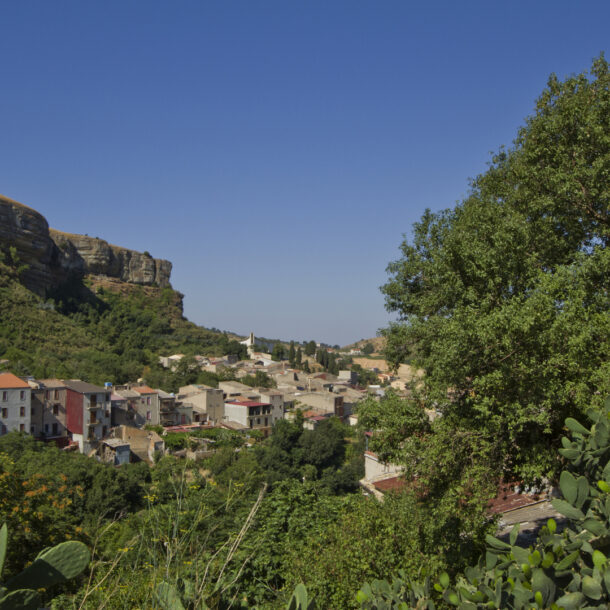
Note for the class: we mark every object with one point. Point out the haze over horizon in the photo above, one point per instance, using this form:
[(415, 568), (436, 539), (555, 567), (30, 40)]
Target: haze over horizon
[(275, 153)]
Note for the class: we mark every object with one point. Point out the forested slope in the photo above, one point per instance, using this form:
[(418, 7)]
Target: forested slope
[(95, 329)]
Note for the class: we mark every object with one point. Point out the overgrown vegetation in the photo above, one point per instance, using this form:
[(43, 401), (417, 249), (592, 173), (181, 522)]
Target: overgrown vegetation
[(101, 336), (561, 570), (166, 523), (260, 379)]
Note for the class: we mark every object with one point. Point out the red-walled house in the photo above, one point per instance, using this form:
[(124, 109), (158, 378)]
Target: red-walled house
[(87, 413)]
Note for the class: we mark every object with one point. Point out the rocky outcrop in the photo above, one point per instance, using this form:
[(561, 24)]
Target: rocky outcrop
[(28, 232), (82, 254), (52, 257)]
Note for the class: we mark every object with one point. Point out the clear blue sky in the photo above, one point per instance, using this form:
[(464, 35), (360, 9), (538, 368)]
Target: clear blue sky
[(275, 152)]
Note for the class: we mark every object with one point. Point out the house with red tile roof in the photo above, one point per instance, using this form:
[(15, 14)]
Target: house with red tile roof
[(144, 403), (312, 421), (148, 407), (15, 404), (250, 414)]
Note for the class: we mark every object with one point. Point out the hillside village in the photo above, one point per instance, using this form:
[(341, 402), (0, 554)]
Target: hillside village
[(119, 424), (133, 417), (128, 422)]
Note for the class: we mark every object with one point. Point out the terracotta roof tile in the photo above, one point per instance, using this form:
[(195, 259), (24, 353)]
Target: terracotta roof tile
[(8, 380), (392, 484), (143, 389)]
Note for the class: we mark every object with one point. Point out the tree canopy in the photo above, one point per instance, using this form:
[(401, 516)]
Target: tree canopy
[(260, 379), (368, 348), (503, 300)]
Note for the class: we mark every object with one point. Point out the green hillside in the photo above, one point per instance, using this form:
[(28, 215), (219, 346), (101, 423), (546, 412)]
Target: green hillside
[(95, 330)]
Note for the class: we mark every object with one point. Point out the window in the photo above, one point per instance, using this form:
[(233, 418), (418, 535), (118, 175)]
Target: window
[(54, 429), (21, 411), (4, 412), (148, 400), (55, 409), (148, 415), (46, 428), (32, 429), (4, 396), (21, 427), (32, 411), (56, 394), (266, 421), (47, 394), (22, 395)]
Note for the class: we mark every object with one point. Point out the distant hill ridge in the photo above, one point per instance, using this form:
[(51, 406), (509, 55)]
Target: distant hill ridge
[(377, 342), (53, 257)]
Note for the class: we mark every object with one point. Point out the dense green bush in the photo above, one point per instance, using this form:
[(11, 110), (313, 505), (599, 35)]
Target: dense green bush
[(49, 495), (53, 566), (503, 299), (561, 570)]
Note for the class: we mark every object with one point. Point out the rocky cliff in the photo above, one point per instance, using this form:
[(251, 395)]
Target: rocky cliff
[(83, 255), (53, 257)]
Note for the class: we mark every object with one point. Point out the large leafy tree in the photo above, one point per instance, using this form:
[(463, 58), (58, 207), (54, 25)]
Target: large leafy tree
[(503, 300)]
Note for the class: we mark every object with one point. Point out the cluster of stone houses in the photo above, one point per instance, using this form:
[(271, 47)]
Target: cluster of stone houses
[(238, 406), (108, 420), (52, 408), (71, 413)]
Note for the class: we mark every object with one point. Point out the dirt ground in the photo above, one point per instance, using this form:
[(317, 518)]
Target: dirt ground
[(405, 372)]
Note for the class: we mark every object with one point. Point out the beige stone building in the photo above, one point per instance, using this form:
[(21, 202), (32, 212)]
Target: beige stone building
[(49, 409), (325, 402), (207, 403)]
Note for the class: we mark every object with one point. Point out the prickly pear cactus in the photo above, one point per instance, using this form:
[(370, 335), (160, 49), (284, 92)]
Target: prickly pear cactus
[(568, 570), (168, 597), (57, 564), (53, 565), (171, 597), (300, 599)]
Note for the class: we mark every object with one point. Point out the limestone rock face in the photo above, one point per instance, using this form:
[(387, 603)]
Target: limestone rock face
[(53, 256), (83, 254), (28, 231)]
